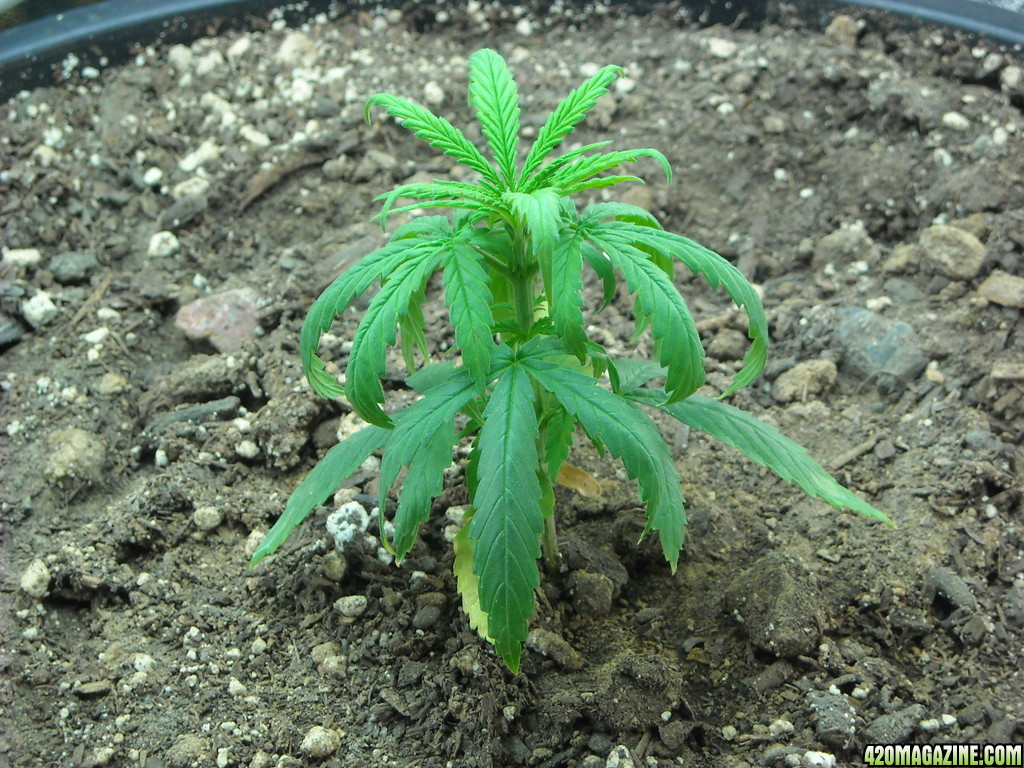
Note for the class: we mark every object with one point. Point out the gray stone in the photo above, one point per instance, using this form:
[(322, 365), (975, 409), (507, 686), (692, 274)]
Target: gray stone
[(554, 646), (953, 588), (780, 605), (894, 728), (876, 347), (11, 330), (956, 252), (834, 717), (73, 267)]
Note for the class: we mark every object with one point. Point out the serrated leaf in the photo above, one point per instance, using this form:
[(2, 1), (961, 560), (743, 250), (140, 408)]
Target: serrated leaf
[(634, 373), (559, 429), (335, 299), (542, 212), (565, 299), (764, 444), (508, 521), (378, 330), (422, 440), (679, 346), (467, 583), (621, 212), (570, 112), (440, 194), (493, 93), (577, 175), (336, 466), (603, 267), (436, 131), (631, 436), (468, 297), (717, 272)]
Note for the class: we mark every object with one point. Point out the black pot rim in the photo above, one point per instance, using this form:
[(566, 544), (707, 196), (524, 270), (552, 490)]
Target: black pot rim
[(30, 52)]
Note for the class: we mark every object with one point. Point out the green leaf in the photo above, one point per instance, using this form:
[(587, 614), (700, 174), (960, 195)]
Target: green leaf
[(468, 297), (412, 324), (672, 326), (508, 521), (631, 436), (378, 331), (431, 375), (440, 194), (718, 272), (567, 115), (764, 444), (558, 432), (565, 299), (603, 267), (325, 478), (467, 583), (422, 440), (622, 212), (436, 131), (403, 247), (493, 93), (634, 373), (573, 177), (541, 210)]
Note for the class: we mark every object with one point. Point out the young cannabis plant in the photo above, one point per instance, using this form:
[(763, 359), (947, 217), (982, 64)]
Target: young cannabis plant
[(512, 257)]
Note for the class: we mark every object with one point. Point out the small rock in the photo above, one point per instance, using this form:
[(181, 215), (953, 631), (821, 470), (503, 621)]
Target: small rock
[(351, 606), (547, 643), (779, 603), (39, 310), (334, 566), (592, 593), (956, 121), (843, 29), (728, 344), (433, 94), (247, 449), (844, 246), (22, 257), (426, 616), (894, 728), (112, 383), (834, 717), (811, 759), (73, 267), (75, 456), (236, 688), (955, 252), (224, 319), (187, 750), (319, 742), (35, 581), (296, 50), (11, 331), (205, 153), (620, 757), (207, 518), (162, 245), (99, 757), (948, 584), (874, 347), (1003, 288), (721, 48), (808, 378), (1011, 79)]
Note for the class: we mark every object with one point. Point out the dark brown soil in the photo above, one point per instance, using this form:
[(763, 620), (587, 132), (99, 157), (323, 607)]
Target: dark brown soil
[(140, 467)]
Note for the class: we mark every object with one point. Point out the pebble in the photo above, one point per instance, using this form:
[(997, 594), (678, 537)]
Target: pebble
[(874, 347), (11, 331), (207, 151), (334, 566), (426, 616), (779, 603), (847, 244), (807, 378), (812, 759), (187, 750), (955, 252), (351, 606), (22, 257), (225, 319), (75, 456), (162, 245), (721, 48), (620, 757), (1003, 288), (1011, 79), (843, 29), (834, 717), (35, 581), (956, 121), (247, 449), (112, 383), (39, 310), (236, 688), (207, 518), (555, 647), (73, 267), (895, 727), (433, 94), (319, 742)]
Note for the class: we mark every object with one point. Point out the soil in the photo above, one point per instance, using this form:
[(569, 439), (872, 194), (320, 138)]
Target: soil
[(867, 176)]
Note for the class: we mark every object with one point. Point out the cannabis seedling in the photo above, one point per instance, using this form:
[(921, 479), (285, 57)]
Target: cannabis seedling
[(512, 258)]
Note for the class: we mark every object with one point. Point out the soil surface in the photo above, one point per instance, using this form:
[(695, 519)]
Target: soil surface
[(869, 178)]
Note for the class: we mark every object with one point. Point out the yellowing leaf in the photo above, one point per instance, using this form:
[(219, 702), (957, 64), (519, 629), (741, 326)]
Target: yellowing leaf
[(581, 481), (467, 583)]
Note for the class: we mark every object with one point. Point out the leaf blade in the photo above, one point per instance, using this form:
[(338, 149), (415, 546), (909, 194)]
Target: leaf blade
[(494, 95), (765, 445), (508, 521)]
